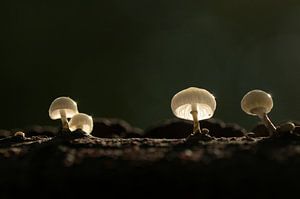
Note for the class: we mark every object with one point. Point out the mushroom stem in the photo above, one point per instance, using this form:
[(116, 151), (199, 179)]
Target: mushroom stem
[(266, 120), (64, 120), (196, 122)]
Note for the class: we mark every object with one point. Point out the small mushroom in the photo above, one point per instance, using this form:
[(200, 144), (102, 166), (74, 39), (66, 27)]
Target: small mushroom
[(259, 103), (286, 127), (63, 108), (81, 121), (194, 104), (19, 134)]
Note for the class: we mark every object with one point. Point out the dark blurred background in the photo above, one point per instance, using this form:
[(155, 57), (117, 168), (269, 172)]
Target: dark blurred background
[(127, 59)]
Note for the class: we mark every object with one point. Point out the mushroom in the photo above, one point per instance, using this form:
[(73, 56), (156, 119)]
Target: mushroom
[(63, 108), (259, 103), (194, 104), (81, 121), (286, 127), (19, 134)]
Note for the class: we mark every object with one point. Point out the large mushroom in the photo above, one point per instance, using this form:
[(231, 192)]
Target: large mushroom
[(63, 108), (194, 104)]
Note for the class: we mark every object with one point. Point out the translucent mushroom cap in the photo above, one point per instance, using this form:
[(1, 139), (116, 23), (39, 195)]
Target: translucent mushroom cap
[(193, 99), (257, 102), (81, 121), (65, 104)]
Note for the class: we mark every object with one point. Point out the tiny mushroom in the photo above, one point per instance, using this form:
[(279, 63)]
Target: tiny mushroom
[(63, 108), (19, 134), (259, 103), (81, 121), (286, 127), (194, 104)]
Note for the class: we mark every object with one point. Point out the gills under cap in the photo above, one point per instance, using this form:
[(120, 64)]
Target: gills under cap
[(81, 121), (257, 102), (193, 99), (65, 104)]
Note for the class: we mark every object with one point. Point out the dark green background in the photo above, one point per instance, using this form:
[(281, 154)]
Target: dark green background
[(128, 58)]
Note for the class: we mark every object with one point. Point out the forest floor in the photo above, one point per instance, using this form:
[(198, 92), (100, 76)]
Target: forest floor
[(135, 163)]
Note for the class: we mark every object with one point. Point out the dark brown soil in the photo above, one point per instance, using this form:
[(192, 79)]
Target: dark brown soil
[(48, 163)]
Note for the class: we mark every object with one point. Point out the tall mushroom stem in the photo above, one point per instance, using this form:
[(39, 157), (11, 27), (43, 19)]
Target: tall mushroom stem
[(266, 120), (196, 122), (64, 120)]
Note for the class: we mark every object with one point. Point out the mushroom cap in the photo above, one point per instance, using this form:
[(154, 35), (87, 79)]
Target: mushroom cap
[(257, 102), (63, 104), (193, 99), (81, 121)]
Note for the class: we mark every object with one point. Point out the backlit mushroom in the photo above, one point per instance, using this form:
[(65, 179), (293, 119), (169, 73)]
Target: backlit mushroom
[(259, 103), (19, 134), (81, 121), (63, 108), (194, 104), (286, 127)]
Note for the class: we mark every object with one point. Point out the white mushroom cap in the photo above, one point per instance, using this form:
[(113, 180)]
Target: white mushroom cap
[(193, 99), (81, 121), (257, 102), (65, 104)]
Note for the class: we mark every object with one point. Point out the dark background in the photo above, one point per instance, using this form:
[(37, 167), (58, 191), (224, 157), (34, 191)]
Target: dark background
[(127, 59)]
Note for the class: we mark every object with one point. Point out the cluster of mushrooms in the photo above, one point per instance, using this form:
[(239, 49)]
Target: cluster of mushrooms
[(199, 104), (194, 104), (65, 108)]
